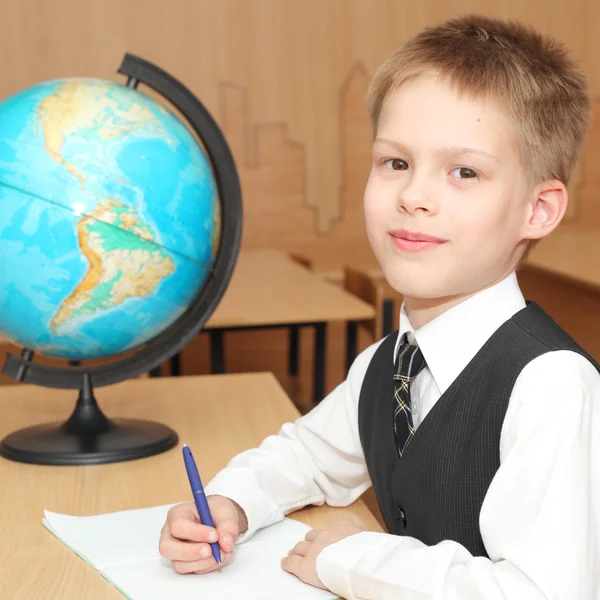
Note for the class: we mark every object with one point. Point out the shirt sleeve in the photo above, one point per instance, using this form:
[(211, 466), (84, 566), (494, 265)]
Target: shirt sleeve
[(540, 520), (315, 460)]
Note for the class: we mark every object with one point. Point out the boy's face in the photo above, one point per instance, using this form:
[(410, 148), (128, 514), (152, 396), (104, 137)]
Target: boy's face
[(445, 166)]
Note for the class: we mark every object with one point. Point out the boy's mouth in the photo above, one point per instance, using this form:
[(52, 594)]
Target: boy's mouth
[(414, 241)]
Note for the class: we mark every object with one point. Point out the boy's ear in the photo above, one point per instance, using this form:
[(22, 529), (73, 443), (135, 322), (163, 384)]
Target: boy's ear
[(548, 207)]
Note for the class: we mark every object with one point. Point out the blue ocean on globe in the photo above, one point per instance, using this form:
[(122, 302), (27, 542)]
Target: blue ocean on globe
[(108, 218)]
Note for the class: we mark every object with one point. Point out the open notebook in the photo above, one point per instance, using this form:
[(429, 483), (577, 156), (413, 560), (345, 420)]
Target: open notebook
[(123, 548)]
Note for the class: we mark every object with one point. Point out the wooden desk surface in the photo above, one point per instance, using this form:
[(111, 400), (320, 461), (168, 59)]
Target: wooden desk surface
[(208, 412), (571, 253), (268, 287)]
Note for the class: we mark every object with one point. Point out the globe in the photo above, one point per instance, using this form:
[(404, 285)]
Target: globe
[(119, 233), (109, 218)]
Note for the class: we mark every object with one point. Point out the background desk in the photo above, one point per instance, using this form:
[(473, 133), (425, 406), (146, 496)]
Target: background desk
[(209, 414), (268, 289), (561, 269), (569, 253)]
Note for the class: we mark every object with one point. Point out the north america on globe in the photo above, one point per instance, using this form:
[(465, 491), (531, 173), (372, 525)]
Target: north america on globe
[(66, 113)]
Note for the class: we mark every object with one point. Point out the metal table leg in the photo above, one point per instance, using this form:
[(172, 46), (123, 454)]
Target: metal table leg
[(293, 353), (217, 351), (155, 372), (388, 317), (176, 365), (319, 365), (351, 343)]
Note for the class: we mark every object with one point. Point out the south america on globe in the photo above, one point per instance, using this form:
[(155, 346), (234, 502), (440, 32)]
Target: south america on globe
[(108, 218)]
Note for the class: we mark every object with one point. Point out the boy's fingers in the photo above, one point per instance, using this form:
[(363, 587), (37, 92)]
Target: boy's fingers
[(226, 543), (228, 533), (311, 536), (292, 564), (301, 548), (185, 529), (200, 566), (196, 566), (176, 550), (182, 511)]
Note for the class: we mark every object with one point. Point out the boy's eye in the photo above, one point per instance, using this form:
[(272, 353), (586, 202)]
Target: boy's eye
[(396, 164), (465, 173)]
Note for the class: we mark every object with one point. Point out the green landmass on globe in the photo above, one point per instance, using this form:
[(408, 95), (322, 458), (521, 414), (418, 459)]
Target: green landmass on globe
[(124, 261)]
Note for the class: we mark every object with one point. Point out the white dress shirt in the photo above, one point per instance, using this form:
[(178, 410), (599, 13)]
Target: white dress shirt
[(540, 519)]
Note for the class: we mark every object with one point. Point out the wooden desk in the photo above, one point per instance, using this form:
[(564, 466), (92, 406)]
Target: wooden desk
[(268, 289), (368, 265), (570, 253), (207, 412)]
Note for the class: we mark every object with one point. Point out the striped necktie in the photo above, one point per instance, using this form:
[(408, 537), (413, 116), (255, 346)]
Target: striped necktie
[(410, 362)]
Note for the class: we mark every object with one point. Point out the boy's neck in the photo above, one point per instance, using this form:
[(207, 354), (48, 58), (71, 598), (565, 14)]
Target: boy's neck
[(422, 310)]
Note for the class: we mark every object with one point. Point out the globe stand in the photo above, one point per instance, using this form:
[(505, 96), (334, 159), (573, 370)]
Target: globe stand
[(88, 437)]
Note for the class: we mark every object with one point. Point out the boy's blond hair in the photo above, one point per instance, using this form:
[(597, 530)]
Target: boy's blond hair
[(531, 77)]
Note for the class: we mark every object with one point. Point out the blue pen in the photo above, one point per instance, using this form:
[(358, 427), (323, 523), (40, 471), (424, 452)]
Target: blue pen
[(200, 497)]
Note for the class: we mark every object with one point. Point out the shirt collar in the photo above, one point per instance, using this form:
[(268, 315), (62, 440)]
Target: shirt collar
[(451, 340)]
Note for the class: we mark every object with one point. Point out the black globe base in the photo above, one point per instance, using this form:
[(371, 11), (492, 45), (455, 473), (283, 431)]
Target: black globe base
[(53, 444), (88, 437)]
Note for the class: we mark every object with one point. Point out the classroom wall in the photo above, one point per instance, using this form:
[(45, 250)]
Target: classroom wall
[(286, 81)]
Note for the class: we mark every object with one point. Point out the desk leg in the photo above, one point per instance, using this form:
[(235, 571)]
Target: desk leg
[(217, 351), (388, 317), (351, 342), (176, 365), (294, 343), (155, 372), (319, 367)]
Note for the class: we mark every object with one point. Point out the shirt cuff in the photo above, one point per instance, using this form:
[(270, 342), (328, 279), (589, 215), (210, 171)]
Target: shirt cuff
[(260, 509), (336, 562)]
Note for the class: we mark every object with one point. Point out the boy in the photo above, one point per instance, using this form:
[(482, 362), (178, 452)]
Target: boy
[(478, 423)]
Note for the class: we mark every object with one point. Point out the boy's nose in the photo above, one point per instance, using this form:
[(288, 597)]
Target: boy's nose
[(414, 202), (416, 195)]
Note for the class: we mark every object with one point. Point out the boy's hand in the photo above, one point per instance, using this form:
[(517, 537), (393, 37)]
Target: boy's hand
[(301, 560), (186, 542)]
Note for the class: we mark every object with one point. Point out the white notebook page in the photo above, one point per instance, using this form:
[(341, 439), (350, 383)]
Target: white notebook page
[(123, 547)]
